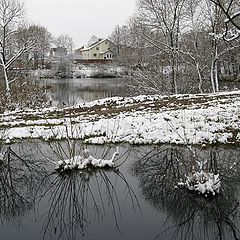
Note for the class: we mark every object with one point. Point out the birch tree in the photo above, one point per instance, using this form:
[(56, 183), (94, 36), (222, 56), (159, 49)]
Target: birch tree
[(222, 16), (11, 14), (231, 11), (178, 46), (195, 45), (166, 17)]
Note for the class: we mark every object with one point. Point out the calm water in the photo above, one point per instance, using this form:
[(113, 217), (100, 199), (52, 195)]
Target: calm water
[(68, 92), (74, 91), (138, 200)]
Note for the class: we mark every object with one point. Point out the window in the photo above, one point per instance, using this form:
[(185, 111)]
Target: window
[(97, 48), (94, 54)]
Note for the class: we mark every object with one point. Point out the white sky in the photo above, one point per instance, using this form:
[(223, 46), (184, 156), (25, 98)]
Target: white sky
[(80, 19)]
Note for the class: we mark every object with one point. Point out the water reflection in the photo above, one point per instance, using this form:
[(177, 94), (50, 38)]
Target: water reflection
[(73, 200), (115, 203), (68, 92), (19, 175), (77, 199), (191, 216)]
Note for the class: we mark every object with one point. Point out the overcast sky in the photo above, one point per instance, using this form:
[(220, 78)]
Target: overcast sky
[(80, 19)]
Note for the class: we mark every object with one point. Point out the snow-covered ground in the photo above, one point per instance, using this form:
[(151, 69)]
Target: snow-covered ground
[(180, 119), (96, 71)]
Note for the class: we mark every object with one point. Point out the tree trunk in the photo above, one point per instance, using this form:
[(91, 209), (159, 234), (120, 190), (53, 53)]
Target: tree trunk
[(174, 77), (212, 77), (8, 92), (216, 76), (200, 79), (215, 68)]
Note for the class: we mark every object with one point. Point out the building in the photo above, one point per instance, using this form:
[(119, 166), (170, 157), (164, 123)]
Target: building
[(57, 52), (101, 50)]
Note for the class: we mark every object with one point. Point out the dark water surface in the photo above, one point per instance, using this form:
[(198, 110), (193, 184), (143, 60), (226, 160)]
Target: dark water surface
[(137, 200), (74, 91)]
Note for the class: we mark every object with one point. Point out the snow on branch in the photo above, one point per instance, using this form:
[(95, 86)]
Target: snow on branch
[(232, 17), (232, 12), (25, 49)]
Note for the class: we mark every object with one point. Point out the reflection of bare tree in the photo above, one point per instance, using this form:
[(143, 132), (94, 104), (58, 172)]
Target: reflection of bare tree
[(78, 198), (192, 216), (18, 178)]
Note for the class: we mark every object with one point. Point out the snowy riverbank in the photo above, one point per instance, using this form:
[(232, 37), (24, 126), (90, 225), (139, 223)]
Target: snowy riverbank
[(180, 119), (81, 71)]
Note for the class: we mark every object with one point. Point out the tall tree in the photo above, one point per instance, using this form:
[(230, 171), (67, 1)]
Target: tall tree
[(164, 18), (64, 56), (194, 46), (65, 42), (11, 14), (41, 40)]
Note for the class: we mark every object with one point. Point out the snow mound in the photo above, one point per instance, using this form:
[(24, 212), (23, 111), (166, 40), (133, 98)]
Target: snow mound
[(203, 183), (84, 161)]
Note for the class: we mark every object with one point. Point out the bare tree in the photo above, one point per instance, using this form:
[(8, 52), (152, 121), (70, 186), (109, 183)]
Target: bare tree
[(11, 13), (178, 46), (93, 39), (43, 41), (65, 42), (194, 47), (219, 31), (121, 37), (231, 10), (64, 56), (164, 18)]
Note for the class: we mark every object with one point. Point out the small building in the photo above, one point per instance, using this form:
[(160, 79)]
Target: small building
[(58, 52), (103, 49)]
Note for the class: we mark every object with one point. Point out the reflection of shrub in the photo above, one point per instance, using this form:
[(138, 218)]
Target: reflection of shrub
[(24, 95)]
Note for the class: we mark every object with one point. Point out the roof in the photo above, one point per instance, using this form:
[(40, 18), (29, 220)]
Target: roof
[(95, 45)]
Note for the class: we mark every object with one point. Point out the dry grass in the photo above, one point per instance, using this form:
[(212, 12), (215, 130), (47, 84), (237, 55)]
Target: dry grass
[(24, 94)]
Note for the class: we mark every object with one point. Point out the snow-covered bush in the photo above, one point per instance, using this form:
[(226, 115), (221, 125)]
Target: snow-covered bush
[(202, 182), (84, 161)]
